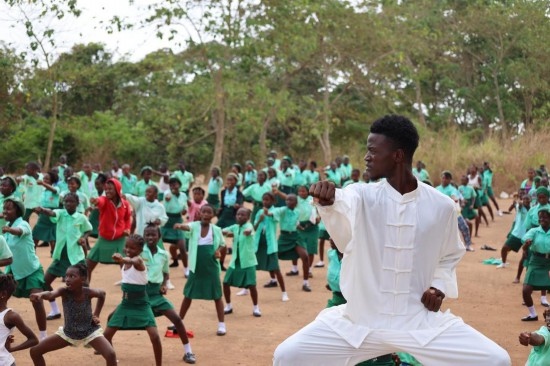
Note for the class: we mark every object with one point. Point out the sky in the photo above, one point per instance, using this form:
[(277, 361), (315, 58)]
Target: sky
[(91, 26)]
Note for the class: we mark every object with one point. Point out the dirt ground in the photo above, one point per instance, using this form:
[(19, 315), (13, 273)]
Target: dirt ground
[(488, 301)]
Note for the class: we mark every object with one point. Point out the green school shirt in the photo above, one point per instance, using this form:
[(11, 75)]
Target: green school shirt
[(421, 175), (5, 251), (268, 226), (141, 187), (157, 264), (467, 192), (50, 199), (448, 191), (215, 185), (128, 183), (540, 240), (488, 177), (300, 177), (87, 184), (257, 191), (532, 219), (176, 204), (540, 355), (243, 245), (287, 218), (286, 178), (345, 171), (186, 178), (194, 234), (334, 177), (250, 177), (3, 222), (305, 208), (33, 191), (333, 270), (25, 261), (69, 229), (312, 177)]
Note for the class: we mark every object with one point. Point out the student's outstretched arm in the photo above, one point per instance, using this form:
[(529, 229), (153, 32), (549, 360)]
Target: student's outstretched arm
[(45, 211), (183, 227), (47, 295), (12, 319), (531, 338)]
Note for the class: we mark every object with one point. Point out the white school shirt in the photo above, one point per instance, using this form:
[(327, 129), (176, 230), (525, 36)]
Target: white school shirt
[(6, 358), (146, 212), (395, 247)]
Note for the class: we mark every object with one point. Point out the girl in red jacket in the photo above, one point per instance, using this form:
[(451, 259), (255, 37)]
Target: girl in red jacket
[(115, 220)]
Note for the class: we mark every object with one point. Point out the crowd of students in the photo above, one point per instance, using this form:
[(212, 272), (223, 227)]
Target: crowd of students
[(267, 212)]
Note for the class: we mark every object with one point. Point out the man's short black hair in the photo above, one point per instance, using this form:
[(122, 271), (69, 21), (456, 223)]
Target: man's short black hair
[(399, 129)]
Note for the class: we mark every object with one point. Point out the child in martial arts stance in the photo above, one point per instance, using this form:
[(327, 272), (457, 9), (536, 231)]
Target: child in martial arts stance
[(134, 312), (205, 246), (540, 340), (81, 324), (242, 269)]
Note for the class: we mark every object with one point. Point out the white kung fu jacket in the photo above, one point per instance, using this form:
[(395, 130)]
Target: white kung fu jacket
[(395, 248)]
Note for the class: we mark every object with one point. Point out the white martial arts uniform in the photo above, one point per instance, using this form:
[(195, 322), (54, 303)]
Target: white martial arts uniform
[(395, 247)]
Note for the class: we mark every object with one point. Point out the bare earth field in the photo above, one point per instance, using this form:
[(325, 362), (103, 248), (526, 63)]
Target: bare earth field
[(489, 301)]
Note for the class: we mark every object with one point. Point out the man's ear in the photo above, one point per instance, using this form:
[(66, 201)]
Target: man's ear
[(399, 156)]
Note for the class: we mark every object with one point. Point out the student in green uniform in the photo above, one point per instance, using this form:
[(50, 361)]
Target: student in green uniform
[(26, 267), (308, 229), (540, 340), (312, 173), (354, 178), (7, 191), (215, 185), (146, 181), (206, 245), (420, 171), (537, 240), (73, 185), (468, 202), (231, 200), (72, 230), (345, 169), (6, 257), (250, 174), (61, 165), (265, 240), (446, 187), (128, 180), (333, 175), (32, 190), (237, 169), (158, 273), (62, 184), (44, 229), (300, 174), (488, 176), (175, 204), (256, 191), (290, 246), (242, 269), (286, 176), (186, 177), (134, 312), (513, 239), (87, 179), (276, 162), (532, 219)]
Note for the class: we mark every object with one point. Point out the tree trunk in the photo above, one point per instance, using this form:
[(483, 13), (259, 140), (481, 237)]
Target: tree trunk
[(419, 103), (53, 126), (499, 105), (219, 118), (324, 139), (263, 133)]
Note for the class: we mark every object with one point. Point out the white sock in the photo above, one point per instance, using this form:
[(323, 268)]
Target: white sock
[(284, 293), (55, 309), (532, 311), (187, 348), (256, 308), (294, 268), (543, 300), (221, 325), (42, 334), (228, 306), (306, 282)]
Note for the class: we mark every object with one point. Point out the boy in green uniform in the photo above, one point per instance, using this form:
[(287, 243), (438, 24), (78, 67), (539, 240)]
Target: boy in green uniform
[(186, 178), (468, 201), (128, 180), (540, 340), (32, 190), (87, 179), (146, 181)]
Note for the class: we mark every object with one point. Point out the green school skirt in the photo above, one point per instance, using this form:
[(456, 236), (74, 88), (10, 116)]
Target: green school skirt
[(490, 192), (94, 220), (257, 207), (468, 213), (337, 299), (28, 213), (157, 301), (309, 236), (204, 283), (134, 311), (537, 273), (227, 217), (169, 234), (104, 249), (59, 266), (240, 277), (266, 262), (514, 243), (213, 200), (287, 243), (44, 229), (33, 281)]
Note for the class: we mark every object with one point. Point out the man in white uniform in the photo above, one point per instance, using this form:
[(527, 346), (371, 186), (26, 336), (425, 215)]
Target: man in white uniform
[(401, 247)]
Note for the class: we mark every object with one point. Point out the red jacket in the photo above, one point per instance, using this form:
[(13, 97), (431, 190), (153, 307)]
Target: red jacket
[(114, 220)]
